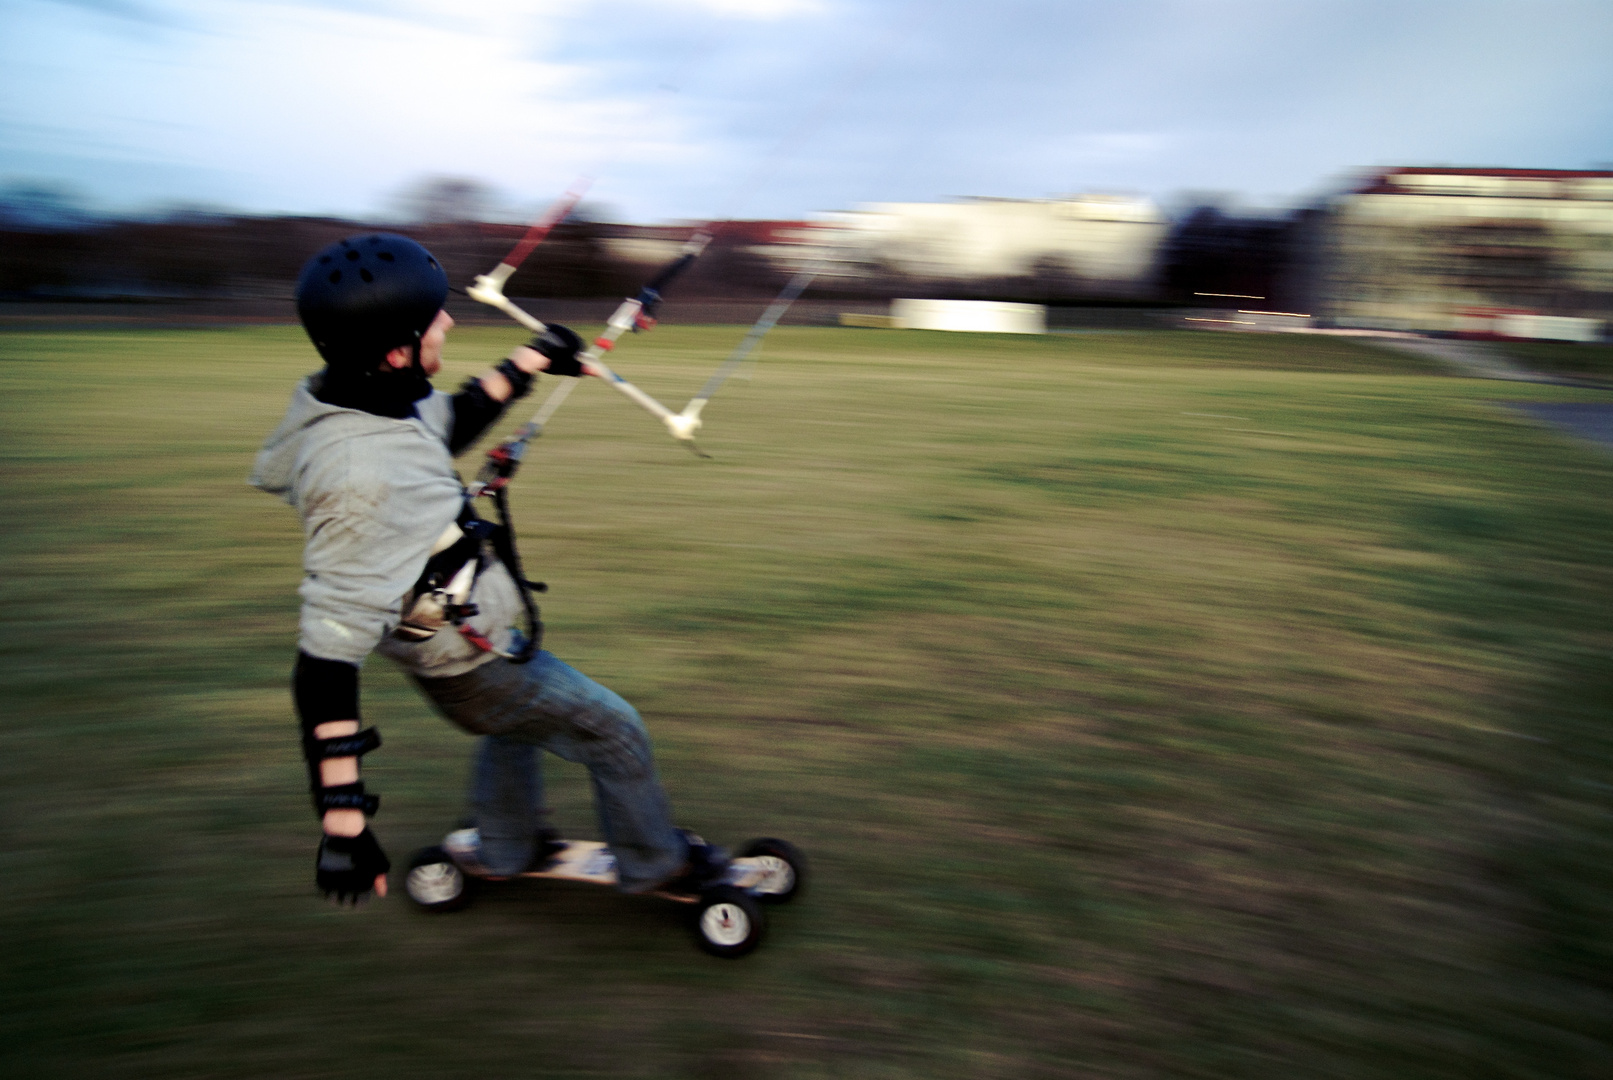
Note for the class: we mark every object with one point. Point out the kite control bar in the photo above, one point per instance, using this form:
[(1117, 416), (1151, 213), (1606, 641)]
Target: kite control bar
[(489, 288), (634, 313)]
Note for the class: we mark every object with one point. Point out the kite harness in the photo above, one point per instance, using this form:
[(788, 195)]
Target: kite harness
[(441, 596)]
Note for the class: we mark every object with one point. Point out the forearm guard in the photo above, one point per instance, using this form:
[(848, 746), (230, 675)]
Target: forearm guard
[(327, 690), (474, 412), (520, 381)]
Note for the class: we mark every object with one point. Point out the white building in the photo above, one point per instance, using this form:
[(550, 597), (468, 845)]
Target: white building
[(1515, 252), (1094, 244)]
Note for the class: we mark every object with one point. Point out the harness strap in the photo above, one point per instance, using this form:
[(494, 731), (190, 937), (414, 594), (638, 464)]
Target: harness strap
[(504, 547), (451, 573), (466, 553)]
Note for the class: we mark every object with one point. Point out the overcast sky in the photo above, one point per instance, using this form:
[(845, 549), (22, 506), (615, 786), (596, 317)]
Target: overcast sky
[(785, 108)]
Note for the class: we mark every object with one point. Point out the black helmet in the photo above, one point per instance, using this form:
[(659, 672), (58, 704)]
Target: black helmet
[(366, 295)]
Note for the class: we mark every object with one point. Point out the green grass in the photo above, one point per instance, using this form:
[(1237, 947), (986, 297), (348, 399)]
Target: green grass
[(1563, 358), (1150, 704)]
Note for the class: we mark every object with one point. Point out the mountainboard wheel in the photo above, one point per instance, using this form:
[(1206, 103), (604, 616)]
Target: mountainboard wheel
[(728, 923), (783, 866), (435, 881)]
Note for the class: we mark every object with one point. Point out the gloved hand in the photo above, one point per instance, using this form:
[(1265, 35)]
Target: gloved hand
[(348, 867), (561, 345)]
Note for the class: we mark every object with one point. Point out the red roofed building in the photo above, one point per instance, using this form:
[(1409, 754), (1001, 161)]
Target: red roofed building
[(1510, 252)]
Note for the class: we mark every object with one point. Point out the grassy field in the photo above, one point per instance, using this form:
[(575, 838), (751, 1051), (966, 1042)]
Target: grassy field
[(1563, 358), (1152, 705)]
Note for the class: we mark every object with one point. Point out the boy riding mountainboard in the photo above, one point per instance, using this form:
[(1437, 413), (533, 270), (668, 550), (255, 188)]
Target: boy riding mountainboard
[(397, 562)]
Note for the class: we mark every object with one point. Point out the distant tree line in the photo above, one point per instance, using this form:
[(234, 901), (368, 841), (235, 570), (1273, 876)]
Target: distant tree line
[(260, 257), (48, 250), (219, 257), (1212, 256)]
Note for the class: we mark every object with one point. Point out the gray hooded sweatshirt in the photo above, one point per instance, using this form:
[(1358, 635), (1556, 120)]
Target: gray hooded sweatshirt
[(374, 495)]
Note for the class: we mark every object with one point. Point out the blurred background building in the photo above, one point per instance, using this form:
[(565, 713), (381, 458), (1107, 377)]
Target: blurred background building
[(1081, 247), (1523, 253), (1509, 252)]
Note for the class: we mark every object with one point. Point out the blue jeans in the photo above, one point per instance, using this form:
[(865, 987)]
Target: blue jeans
[(546, 704)]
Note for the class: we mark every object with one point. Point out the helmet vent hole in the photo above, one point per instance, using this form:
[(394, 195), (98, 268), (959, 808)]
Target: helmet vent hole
[(366, 275), (432, 261), (384, 256), (352, 256), (335, 276)]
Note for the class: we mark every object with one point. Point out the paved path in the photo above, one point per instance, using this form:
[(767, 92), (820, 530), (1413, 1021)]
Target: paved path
[(1588, 420), (1479, 359), (1482, 360)]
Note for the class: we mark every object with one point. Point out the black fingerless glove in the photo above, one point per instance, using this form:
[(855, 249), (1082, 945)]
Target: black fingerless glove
[(561, 345), (347, 866)]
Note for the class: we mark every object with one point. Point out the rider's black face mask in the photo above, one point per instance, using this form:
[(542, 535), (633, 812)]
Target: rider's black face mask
[(380, 389)]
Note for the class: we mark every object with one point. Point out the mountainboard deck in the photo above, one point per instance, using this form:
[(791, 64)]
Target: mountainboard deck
[(591, 861)]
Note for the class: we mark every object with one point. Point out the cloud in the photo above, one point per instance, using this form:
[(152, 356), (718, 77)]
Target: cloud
[(335, 104), (757, 9)]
